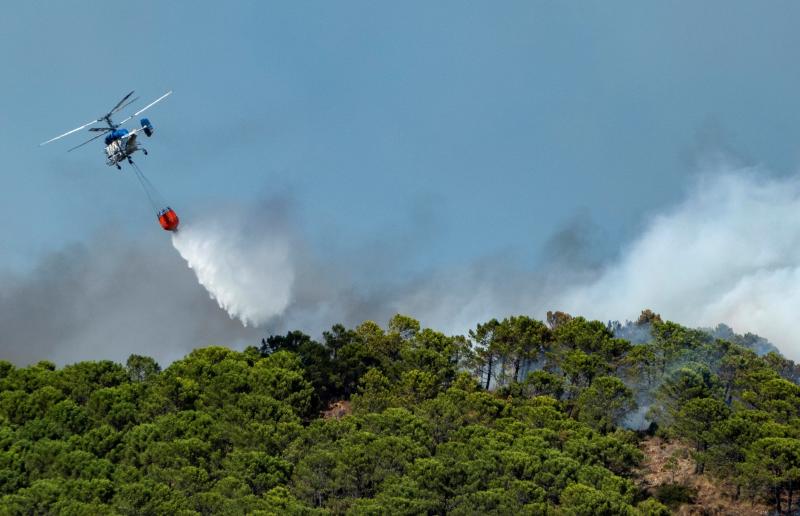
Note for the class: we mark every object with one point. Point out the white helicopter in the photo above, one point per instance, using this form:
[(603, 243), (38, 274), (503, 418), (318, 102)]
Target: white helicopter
[(120, 142)]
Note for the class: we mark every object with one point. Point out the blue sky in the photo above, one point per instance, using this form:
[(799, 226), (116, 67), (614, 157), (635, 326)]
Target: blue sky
[(462, 129)]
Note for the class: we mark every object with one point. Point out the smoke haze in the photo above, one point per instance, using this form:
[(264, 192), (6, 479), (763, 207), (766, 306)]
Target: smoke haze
[(728, 253), (110, 297)]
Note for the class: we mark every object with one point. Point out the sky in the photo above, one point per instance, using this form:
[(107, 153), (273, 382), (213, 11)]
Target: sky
[(418, 138)]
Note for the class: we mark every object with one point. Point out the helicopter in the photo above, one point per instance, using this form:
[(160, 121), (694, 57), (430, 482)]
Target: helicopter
[(120, 143)]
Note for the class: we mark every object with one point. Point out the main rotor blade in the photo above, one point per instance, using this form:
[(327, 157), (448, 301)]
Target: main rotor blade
[(159, 99), (87, 124), (104, 129), (84, 143), (120, 102), (124, 105)]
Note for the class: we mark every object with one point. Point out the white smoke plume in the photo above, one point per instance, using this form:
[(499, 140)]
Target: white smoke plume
[(730, 253), (247, 269)]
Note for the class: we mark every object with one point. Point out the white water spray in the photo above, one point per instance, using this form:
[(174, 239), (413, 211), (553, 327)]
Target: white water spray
[(250, 276)]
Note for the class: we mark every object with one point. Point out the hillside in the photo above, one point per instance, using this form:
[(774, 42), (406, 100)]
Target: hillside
[(521, 416), (668, 472)]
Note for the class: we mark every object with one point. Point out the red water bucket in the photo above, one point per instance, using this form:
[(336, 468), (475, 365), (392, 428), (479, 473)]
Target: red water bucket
[(168, 219)]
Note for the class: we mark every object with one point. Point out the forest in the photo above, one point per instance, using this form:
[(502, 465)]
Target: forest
[(520, 416)]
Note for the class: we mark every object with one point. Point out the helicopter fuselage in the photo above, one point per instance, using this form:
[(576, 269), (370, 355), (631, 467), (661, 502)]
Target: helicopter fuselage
[(120, 149)]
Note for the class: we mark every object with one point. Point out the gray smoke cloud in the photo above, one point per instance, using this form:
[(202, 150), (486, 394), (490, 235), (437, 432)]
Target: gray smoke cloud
[(727, 254), (118, 294), (107, 298)]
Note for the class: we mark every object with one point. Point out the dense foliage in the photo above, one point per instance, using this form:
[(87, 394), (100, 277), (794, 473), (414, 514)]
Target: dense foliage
[(521, 417)]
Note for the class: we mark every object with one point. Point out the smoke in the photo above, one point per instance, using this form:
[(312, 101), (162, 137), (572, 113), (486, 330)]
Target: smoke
[(247, 270), (107, 298), (729, 253)]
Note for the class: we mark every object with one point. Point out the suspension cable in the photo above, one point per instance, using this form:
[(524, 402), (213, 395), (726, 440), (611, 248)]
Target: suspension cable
[(156, 201)]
